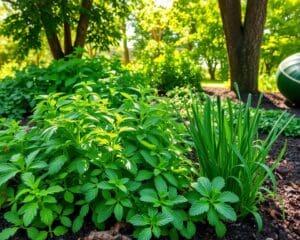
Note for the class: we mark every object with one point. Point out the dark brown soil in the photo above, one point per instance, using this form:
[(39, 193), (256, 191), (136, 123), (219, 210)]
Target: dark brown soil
[(281, 218)]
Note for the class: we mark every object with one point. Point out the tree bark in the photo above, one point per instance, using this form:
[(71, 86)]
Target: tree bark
[(126, 58), (211, 69), (243, 41), (83, 23), (50, 30), (52, 39), (67, 39)]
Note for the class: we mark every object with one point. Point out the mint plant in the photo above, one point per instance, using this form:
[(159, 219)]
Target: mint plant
[(98, 155), (209, 199), (150, 223)]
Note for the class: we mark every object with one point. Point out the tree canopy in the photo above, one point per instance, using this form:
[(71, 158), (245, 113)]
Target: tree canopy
[(76, 22)]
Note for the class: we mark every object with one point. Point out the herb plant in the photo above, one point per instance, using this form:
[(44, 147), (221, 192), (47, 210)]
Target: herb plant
[(84, 155), (210, 200), (227, 145)]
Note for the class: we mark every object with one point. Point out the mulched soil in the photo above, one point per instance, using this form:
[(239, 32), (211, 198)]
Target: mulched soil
[(281, 217)]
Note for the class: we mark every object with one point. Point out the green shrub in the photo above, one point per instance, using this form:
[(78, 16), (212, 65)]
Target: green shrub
[(227, 145), (171, 68), (83, 156), (18, 94)]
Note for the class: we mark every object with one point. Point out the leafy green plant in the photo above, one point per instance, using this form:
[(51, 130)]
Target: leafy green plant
[(211, 201), (168, 68), (227, 145), (96, 154), (149, 223), (269, 117), (107, 77)]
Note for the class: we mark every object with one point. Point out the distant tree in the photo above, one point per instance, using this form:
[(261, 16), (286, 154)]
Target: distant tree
[(87, 21), (243, 33), (282, 34), (199, 29)]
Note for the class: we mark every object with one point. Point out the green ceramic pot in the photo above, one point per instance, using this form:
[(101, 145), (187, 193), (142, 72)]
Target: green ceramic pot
[(288, 78)]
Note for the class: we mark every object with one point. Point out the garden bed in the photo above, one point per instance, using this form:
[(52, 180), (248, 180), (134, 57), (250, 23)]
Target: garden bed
[(280, 221)]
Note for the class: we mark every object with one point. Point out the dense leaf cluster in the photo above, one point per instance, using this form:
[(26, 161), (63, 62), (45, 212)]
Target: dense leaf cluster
[(97, 147), (17, 93)]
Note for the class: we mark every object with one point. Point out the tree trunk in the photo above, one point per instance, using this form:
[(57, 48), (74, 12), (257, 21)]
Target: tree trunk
[(51, 32), (53, 40), (83, 23), (67, 39), (243, 41), (126, 58), (211, 69)]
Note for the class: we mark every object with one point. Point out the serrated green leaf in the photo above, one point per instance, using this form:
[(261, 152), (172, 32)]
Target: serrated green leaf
[(54, 189), (156, 231), (66, 221), (198, 208), (220, 229), (60, 230), (84, 210), (218, 183), (77, 224), (133, 185), (179, 199), (91, 194), (160, 184), (6, 176), (111, 201), (144, 175), (42, 235), (56, 164), (47, 217), (212, 217), (126, 203), (163, 219), (32, 232), (28, 179), (138, 220), (30, 211), (151, 160), (49, 199), (226, 211), (171, 178), (13, 217), (105, 185), (203, 186), (68, 196), (148, 195), (31, 157), (28, 198), (228, 197), (190, 230), (8, 232), (103, 212), (118, 211), (145, 234)]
